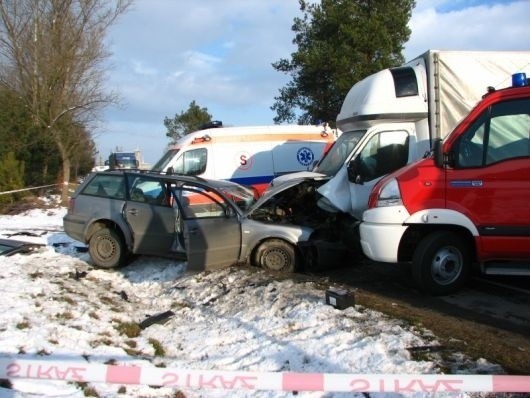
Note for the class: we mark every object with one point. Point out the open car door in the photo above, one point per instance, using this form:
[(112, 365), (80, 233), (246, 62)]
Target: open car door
[(210, 227)]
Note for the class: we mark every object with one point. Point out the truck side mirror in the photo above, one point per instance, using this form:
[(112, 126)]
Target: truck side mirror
[(437, 152), (354, 174)]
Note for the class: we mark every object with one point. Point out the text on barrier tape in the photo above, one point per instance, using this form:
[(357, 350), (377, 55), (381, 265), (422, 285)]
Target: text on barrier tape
[(43, 369)]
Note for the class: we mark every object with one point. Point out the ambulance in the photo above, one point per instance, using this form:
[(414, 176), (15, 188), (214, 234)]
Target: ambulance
[(251, 155)]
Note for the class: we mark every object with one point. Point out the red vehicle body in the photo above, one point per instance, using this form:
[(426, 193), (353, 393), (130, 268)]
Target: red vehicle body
[(468, 202)]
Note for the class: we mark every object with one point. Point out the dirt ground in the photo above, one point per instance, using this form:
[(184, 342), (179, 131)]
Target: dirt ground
[(389, 289)]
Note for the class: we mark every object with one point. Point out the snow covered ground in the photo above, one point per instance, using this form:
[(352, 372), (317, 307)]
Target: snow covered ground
[(56, 305)]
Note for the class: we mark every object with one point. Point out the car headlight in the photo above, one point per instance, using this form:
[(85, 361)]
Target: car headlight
[(389, 195)]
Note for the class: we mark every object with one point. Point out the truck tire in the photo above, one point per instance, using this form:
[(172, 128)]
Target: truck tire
[(107, 249), (441, 263), (276, 255)]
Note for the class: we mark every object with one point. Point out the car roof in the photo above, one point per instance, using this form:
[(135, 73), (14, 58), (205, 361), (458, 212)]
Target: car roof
[(162, 176), (166, 177)]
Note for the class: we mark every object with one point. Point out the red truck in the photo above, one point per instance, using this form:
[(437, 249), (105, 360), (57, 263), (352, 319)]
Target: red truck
[(467, 203)]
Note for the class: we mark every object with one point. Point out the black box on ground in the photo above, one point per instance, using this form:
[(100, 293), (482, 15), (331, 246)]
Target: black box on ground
[(340, 298)]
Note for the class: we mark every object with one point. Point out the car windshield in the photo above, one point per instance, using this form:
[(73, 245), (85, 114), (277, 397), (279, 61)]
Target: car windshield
[(164, 160), (339, 152), (242, 196)]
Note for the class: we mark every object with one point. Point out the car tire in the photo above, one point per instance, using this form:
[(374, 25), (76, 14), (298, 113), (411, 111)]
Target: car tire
[(441, 263), (276, 255), (107, 249)]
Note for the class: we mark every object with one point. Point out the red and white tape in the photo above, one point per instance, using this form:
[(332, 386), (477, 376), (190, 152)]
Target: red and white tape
[(44, 369)]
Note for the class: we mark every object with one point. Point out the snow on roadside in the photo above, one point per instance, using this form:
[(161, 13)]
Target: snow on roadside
[(56, 304)]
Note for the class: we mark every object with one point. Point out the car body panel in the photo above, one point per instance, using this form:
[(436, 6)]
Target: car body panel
[(212, 242), (9, 247), (152, 227)]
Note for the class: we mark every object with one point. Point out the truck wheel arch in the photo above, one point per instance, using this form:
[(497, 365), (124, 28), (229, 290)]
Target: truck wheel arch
[(415, 233), (442, 217)]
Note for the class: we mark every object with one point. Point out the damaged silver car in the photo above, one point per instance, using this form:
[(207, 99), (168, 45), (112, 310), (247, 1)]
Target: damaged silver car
[(210, 224)]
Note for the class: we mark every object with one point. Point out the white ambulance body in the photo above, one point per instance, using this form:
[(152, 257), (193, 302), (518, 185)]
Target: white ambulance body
[(251, 156)]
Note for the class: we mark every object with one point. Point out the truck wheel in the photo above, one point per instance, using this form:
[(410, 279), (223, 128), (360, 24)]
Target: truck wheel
[(276, 255), (106, 248), (441, 263)]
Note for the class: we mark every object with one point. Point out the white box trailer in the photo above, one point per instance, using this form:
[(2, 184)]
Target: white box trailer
[(249, 155)]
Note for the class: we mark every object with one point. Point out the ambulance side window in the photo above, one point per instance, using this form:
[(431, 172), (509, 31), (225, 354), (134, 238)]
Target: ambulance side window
[(191, 162), (501, 133)]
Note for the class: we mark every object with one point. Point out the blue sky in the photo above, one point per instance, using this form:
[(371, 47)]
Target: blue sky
[(167, 53)]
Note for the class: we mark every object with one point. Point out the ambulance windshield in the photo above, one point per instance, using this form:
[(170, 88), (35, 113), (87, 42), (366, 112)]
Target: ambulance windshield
[(337, 155), (162, 164)]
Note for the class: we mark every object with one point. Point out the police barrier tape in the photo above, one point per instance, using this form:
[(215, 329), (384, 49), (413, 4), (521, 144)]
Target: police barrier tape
[(11, 368), (29, 189)]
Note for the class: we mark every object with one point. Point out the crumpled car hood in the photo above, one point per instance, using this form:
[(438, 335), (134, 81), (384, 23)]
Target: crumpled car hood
[(282, 184)]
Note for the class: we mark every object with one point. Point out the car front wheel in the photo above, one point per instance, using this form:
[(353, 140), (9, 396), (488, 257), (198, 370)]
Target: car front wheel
[(106, 248), (276, 255), (441, 263)]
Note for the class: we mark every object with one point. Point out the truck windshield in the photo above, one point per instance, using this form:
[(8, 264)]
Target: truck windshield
[(337, 155), (161, 165)]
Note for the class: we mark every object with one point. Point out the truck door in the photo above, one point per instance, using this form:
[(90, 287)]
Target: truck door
[(210, 226), (381, 152), (490, 182)]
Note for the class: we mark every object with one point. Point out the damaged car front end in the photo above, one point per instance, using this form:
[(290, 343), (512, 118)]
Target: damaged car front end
[(297, 201)]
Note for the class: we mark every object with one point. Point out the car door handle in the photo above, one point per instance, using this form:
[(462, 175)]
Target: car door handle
[(132, 212), (194, 231)]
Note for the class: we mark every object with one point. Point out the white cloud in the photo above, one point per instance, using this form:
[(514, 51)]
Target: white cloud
[(481, 27), (141, 69)]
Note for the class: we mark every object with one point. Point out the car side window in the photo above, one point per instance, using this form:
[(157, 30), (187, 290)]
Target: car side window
[(200, 202), (501, 133), (108, 186), (148, 190)]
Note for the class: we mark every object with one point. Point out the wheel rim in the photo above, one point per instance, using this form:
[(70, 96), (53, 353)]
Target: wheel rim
[(447, 265), (275, 259), (106, 248)]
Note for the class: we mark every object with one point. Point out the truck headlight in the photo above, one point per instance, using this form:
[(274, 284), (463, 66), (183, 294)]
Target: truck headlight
[(389, 195)]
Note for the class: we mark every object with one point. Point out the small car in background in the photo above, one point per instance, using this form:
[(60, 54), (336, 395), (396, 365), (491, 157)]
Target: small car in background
[(208, 223)]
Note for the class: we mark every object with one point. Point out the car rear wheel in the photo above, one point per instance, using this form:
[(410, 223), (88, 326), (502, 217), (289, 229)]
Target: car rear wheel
[(441, 263), (276, 255), (106, 248)]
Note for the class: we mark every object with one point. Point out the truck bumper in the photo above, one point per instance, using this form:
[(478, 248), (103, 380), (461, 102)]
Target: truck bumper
[(381, 232)]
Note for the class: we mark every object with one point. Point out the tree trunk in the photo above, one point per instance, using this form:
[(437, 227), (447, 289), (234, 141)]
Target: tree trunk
[(65, 172)]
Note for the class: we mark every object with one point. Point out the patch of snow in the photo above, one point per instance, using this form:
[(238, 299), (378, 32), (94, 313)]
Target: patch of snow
[(55, 303)]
